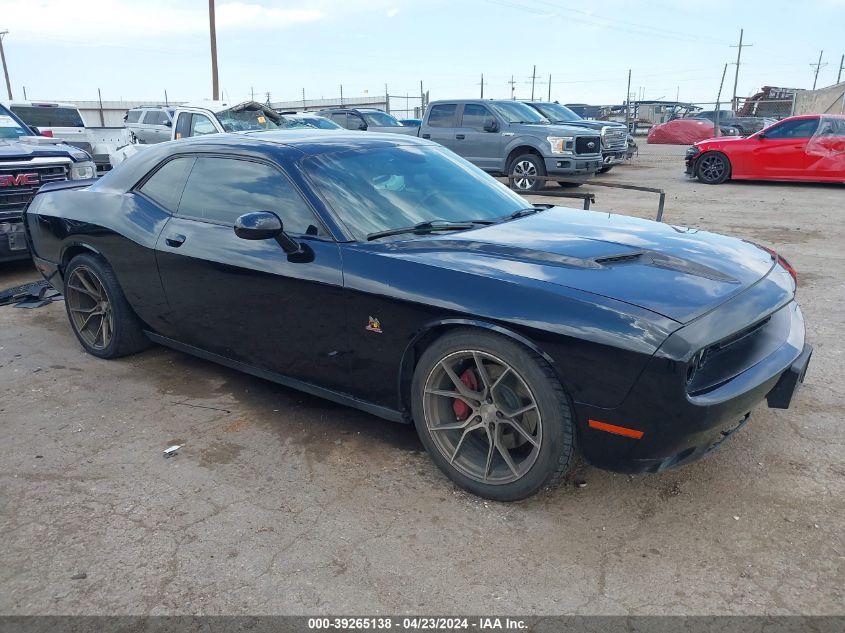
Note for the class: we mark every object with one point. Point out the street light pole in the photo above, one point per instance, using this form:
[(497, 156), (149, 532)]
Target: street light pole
[(5, 69), (215, 88)]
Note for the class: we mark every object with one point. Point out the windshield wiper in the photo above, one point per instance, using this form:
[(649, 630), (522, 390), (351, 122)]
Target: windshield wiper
[(521, 213), (435, 225)]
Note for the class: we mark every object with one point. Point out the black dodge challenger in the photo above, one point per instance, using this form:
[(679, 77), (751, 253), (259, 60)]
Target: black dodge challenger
[(388, 274)]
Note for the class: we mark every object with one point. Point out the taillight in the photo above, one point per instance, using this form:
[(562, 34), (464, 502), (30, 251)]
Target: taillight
[(47, 133), (782, 261)]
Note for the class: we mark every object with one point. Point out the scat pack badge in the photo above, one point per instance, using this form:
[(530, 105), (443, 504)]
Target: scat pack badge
[(373, 325)]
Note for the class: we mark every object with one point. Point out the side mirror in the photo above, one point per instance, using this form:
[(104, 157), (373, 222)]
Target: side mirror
[(761, 136), (263, 225), (35, 130), (168, 124), (362, 126), (491, 126)]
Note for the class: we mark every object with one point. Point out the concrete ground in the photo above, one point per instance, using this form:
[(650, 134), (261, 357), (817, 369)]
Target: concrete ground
[(283, 503)]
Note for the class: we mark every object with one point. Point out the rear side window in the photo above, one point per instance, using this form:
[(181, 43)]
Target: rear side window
[(339, 118), (221, 189), (201, 124), (442, 115), (48, 116), (133, 116), (155, 117), (166, 185)]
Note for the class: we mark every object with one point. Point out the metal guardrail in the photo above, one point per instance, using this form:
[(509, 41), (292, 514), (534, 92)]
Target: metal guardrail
[(589, 197)]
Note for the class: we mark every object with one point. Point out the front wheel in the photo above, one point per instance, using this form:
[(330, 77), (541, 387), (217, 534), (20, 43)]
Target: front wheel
[(712, 168), (523, 172), (492, 415), (606, 169)]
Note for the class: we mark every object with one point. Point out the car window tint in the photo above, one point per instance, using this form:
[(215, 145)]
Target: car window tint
[(801, 128), (183, 125), (165, 185), (201, 124), (133, 116), (354, 122), (442, 115), (221, 189), (339, 118), (155, 117), (475, 116)]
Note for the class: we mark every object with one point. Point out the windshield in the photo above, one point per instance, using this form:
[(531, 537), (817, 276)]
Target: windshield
[(48, 116), (9, 127), (252, 117), (515, 112), (556, 112), (318, 122), (380, 119), (374, 190)]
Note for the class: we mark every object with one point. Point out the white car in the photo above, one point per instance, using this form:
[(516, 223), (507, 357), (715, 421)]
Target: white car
[(150, 124)]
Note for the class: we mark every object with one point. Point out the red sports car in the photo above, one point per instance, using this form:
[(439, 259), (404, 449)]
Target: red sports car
[(809, 148)]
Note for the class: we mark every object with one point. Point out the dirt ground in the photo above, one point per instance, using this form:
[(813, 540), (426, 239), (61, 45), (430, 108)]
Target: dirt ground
[(283, 503)]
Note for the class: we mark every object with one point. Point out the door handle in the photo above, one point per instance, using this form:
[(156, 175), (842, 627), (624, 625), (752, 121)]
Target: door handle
[(426, 135), (460, 137), (175, 240)]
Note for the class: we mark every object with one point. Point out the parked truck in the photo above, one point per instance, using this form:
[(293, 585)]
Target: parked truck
[(510, 138), (63, 121), (27, 161)]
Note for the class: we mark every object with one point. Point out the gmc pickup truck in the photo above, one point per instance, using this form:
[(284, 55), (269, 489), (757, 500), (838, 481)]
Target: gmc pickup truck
[(510, 138), (26, 162)]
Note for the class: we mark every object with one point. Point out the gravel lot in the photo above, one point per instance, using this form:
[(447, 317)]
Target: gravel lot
[(284, 503)]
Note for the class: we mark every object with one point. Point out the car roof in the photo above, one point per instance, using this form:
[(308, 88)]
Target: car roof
[(44, 104)]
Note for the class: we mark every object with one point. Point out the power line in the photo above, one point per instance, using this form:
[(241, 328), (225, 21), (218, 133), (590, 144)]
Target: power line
[(738, 48), (818, 66)]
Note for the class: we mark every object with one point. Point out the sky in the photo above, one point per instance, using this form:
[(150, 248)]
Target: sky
[(135, 50)]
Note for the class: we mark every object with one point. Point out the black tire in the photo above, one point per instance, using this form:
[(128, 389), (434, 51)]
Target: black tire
[(121, 332), (540, 463), (712, 168), (569, 185), (606, 169), (521, 170)]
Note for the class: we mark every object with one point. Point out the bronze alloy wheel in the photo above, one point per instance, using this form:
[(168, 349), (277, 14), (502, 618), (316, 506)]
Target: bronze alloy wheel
[(482, 417), (90, 310)]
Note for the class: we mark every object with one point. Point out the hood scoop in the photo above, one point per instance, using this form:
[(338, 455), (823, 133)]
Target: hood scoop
[(666, 262)]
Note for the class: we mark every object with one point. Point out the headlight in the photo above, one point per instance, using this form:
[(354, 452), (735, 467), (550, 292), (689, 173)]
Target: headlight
[(80, 155), (692, 151), (561, 144), (83, 170)]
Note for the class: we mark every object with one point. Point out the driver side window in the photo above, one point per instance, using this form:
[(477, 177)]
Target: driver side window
[(801, 128)]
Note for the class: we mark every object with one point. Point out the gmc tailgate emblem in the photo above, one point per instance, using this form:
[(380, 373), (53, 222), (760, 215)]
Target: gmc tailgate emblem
[(20, 180)]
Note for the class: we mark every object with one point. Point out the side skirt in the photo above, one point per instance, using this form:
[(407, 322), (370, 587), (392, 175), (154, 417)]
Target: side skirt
[(314, 390)]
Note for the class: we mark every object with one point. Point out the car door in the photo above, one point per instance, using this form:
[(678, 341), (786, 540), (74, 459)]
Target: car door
[(477, 145), (826, 150), (781, 150), (440, 126), (193, 124), (159, 132), (142, 131), (247, 300)]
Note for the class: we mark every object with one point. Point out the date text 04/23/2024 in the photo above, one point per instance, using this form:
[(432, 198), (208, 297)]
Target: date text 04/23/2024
[(416, 623)]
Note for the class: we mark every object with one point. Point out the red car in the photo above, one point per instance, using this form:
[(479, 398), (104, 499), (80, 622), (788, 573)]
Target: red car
[(808, 148)]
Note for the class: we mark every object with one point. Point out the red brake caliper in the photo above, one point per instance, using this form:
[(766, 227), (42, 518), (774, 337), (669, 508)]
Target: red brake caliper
[(460, 407)]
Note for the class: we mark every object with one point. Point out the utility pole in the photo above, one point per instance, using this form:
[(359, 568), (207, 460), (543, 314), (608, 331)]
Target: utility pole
[(550, 87), (5, 68), (628, 103), (386, 99), (100, 99), (818, 66), (304, 107), (738, 48), (513, 88), (341, 95), (215, 87), (482, 85), (841, 68), (267, 102), (533, 78), (422, 99), (25, 98), (251, 93), (166, 102)]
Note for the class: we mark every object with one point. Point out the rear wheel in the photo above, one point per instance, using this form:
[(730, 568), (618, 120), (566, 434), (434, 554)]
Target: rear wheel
[(492, 415), (99, 314), (712, 168), (523, 171)]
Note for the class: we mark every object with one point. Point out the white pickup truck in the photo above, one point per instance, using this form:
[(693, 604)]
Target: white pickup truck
[(64, 121), (215, 117)]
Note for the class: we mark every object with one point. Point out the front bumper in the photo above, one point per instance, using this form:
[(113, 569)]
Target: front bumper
[(677, 428), (12, 241), (689, 162), (614, 157), (572, 165)]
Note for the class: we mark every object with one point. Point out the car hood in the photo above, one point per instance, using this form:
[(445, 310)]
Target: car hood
[(678, 272), (592, 125), (12, 148), (549, 129)]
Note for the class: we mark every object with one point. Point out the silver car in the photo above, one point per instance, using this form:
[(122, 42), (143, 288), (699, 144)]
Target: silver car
[(150, 124)]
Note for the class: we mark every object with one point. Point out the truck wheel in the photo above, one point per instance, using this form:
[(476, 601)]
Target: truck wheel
[(569, 185), (98, 312), (492, 415), (522, 171), (712, 168), (606, 169)]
